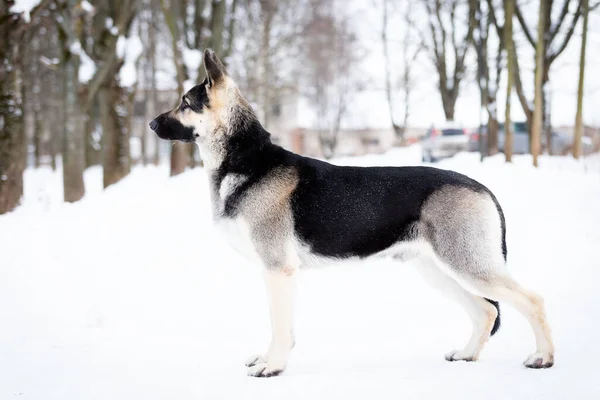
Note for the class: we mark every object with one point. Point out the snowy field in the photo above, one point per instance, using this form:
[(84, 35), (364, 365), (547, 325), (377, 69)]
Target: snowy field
[(131, 294)]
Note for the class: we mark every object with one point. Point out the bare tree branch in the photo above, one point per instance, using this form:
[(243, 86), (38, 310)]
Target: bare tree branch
[(230, 29), (499, 28), (524, 24), (436, 47), (568, 35), (563, 13)]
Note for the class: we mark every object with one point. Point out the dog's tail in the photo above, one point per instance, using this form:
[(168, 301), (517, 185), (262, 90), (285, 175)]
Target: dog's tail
[(497, 321)]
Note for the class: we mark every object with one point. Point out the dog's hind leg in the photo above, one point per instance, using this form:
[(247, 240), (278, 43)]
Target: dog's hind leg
[(480, 311), (505, 289), (467, 232)]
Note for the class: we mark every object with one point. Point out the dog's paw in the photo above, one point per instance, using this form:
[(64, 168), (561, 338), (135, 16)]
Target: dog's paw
[(264, 370), (539, 360), (457, 355), (256, 359)]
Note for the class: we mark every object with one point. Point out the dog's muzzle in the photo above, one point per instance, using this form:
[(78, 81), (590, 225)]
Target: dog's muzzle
[(153, 125)]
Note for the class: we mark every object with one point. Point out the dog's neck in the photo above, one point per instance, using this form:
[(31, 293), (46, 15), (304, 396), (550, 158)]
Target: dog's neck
[(235, 142)]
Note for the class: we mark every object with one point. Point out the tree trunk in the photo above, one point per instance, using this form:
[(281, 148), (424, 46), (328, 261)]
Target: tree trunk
[(546, 119), (230, 31), (579, 116), (388, 81), (72, 144), (92, 145), (151, 109), (217, 25), (192, 150), (55, 133), (508, 41), (179, 152), (492, 141), (38, 130), (38, 126), (268, 13), (547, 49), (12, 143), (115, 134), (448, 102), (519, 88), (179, 155), (539, 71), (144, 142)]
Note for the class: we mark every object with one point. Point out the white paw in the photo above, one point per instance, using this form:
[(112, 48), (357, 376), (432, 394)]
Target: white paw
[(264, 370), (539, 360), (256, 359), (457, 355)]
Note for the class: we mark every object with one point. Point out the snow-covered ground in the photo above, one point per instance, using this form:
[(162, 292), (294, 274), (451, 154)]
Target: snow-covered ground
[(130, 294)]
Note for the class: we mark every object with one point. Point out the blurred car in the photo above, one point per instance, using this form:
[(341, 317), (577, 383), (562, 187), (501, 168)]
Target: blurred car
[(561, 143), (520, 139), (444, 142)]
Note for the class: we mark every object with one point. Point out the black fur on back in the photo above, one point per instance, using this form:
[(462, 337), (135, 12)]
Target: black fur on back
[(356, 211)]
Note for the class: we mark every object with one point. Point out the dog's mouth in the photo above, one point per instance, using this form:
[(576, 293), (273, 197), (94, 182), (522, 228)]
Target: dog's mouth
[(171, 129)]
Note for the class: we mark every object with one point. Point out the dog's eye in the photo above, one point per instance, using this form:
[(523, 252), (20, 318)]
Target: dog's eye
[(184, 104)]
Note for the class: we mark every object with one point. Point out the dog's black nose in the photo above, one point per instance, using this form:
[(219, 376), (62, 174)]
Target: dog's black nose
[(153, 124)]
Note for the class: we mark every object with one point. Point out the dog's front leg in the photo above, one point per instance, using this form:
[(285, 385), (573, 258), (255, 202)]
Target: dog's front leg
[(281, 286)]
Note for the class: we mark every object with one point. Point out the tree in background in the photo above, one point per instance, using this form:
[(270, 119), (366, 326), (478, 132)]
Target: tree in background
[(149, 24), (105, 42), (190, 30), (536, 126), (555, 38), (65, 95), (12, 142), (73, 161), (269, 45), (332, 57), (447, 44), (174, 12), (578, 134), (410, 52), (488, 79), (509, 6)]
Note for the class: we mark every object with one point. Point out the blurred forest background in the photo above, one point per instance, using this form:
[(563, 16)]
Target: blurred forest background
[(81, 79)]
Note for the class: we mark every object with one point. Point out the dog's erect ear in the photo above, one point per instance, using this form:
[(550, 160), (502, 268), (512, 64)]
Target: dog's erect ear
[(215, 71)]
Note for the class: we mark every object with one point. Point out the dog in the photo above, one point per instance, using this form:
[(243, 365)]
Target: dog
[(287, 211)]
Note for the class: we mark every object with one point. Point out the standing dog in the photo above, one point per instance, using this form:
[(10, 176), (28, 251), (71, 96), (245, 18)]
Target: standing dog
[(287, 210)]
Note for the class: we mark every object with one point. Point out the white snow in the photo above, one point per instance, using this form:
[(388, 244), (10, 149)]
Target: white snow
[(129, 48), (87, 68), (192, 59), (25, 7), (121, 46), (49, 61), (109, 24), (87, 7), (131, 294)]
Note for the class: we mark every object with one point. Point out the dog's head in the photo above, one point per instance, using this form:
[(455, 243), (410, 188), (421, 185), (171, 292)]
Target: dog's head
[(204, 110)]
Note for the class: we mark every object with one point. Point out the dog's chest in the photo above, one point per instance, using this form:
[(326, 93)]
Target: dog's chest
[(235, 230), (236, 233)]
